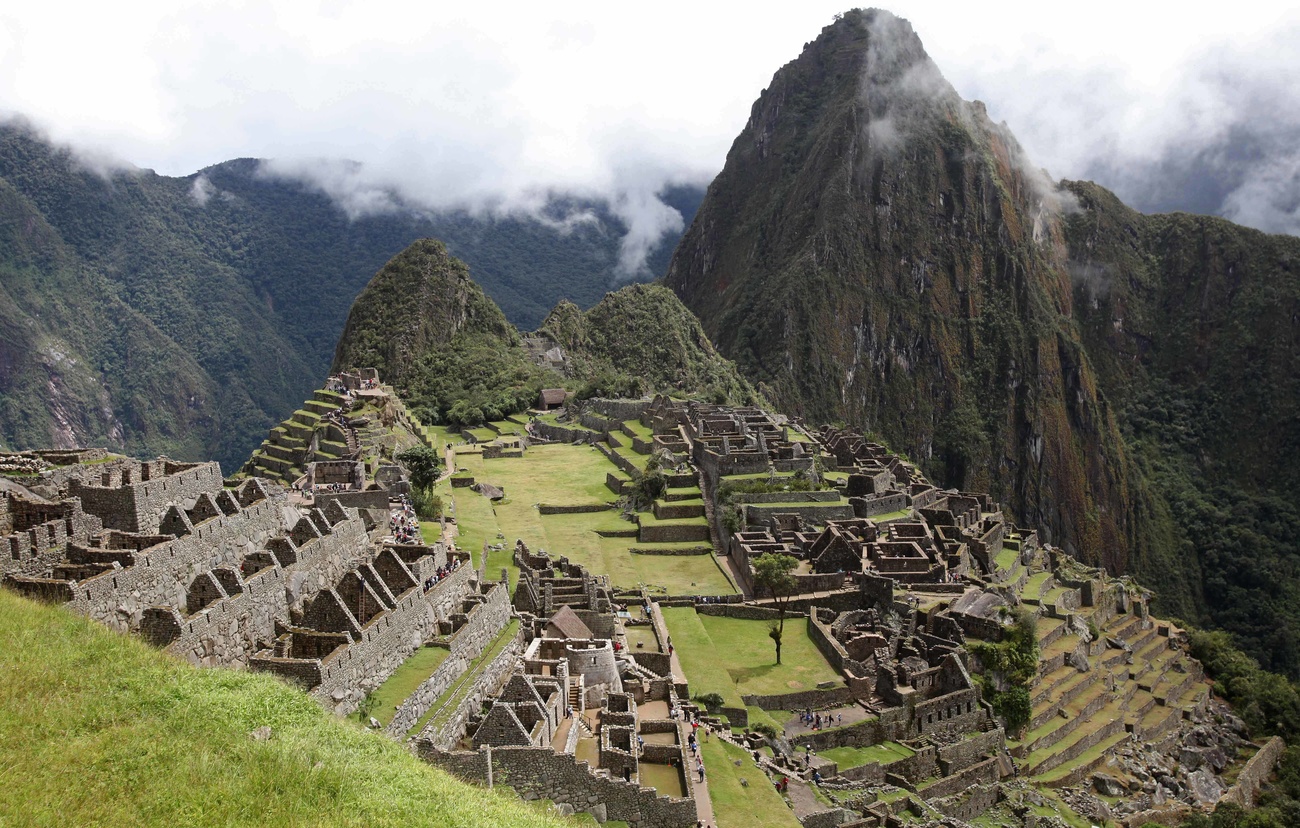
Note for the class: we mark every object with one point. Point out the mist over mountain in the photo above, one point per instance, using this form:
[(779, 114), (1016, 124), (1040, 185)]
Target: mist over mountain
[(878, 251), (238, 279)]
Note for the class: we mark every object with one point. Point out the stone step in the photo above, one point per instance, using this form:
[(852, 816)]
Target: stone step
[(1051, 681), (1120, 626), (1105, 720), (1081, 710), (319, 408)]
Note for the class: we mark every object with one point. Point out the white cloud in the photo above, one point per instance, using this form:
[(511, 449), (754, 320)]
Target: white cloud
[(485, 106)]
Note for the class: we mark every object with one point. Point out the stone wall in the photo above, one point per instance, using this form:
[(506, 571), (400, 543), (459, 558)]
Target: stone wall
[(619, 460), (387, 641), (827, 495), (577, 509), (967, 752), (540, 773), (832, 649), (677, 551), (969, 804), (162, 573), (749, 612), (824, 819), (374, 499), (865, 507), (563, 434), (618, 409), (1255, 774), (494, 674), (233, 629), (758, 514), (815, 699), (139, 505), (484, 624), (674, 533)]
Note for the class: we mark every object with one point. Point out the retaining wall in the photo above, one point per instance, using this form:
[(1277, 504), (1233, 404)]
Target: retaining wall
[(484, 624), (541, 773)]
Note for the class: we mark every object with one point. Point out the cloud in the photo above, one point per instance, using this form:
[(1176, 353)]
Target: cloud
[(491, 107), (201, 190)]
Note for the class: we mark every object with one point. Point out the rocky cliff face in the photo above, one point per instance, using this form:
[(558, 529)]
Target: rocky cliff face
[(877, 251)]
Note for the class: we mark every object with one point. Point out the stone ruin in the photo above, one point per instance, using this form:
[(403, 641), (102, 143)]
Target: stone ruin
[(579, 718), (229, 575)]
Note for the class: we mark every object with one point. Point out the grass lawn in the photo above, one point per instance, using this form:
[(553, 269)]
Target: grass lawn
[(98, 728), (567, 475), (851, 757), (733, 657), (901, 514), (402, 683), (734, 805), (558, 473), (1006, 558), (1035, 584), (639, 430)]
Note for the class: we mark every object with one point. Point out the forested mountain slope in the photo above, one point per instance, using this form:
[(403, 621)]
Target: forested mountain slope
[(878, 251), (248, 278), (454, 358)]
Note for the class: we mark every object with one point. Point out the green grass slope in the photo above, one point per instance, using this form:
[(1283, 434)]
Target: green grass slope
[(100, 729)]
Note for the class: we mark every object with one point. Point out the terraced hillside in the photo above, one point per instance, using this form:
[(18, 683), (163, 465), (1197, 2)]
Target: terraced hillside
[(334, 426)]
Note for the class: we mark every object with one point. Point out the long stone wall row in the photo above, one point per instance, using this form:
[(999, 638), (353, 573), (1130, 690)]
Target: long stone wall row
[(451, 729), (139, 506), (484, 624), (162, 573), (387, 641), (232, 630), (540, 773)]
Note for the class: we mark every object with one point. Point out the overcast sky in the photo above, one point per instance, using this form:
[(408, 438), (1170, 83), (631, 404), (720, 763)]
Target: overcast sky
[(490, 103)]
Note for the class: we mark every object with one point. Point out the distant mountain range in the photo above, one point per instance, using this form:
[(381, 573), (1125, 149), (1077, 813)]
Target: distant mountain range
[(186, 315)]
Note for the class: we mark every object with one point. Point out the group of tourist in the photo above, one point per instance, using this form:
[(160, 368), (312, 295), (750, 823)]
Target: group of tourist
[(403, 525), (817, 720), (441, 572)]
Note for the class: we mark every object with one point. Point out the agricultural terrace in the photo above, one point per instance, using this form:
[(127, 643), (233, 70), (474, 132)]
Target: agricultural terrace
[(568, 475)]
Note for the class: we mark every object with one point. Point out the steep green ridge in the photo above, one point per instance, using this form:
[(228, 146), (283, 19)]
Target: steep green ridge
[(250, 278), (454, 358), (77, 364), (1191, 322), (642, 339), (435, 337), (100, 729), (877, 251)]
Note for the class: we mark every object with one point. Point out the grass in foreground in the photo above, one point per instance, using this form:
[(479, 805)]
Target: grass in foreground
[(100, 729)]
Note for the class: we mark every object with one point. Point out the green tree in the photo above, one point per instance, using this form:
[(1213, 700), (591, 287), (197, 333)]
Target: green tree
[(774, 574), (422, 465)]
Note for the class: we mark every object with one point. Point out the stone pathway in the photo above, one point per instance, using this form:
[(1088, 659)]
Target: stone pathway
[(703, 804), (802, 798)]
